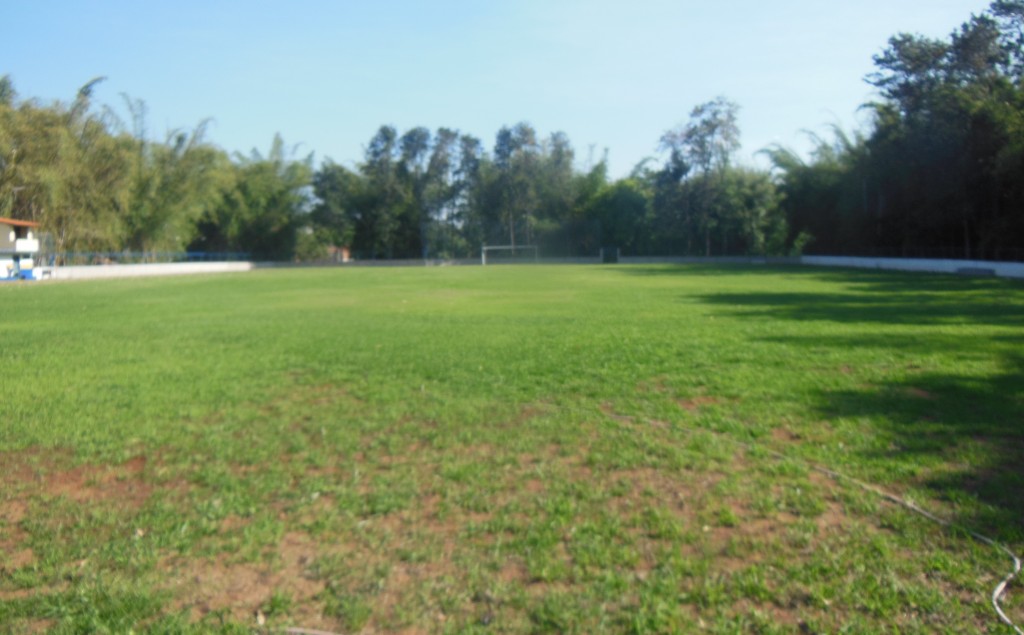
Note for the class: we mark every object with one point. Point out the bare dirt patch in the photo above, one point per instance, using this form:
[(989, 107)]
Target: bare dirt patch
[(514, 571), (528, 412), (232, 522), (14, 553), (94, 483), (38, 472), (641, 480), (28, 467), (13, 511), (779, 615), (40, 626), (35, 472), (242, 589), (16, 559), (693, 404), (785, 435)]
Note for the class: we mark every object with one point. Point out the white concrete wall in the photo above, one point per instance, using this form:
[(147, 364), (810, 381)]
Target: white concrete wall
[(713, 260), (411, 262), (92, 272), (1001, 269), (89, 272), (565, 261)]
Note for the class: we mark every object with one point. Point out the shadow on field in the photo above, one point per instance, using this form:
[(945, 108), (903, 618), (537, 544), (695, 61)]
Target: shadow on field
[(924, 308), (699, 269), (871, 297), (938, 416), (969, 427), (860, 279)]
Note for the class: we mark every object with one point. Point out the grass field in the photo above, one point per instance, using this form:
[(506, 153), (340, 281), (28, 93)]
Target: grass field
[(509, 450)]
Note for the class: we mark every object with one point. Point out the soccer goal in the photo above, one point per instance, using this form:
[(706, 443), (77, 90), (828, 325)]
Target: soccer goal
[(508, 254)]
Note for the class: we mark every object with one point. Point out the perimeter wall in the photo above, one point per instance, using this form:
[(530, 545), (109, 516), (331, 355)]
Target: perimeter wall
[(964, 267)]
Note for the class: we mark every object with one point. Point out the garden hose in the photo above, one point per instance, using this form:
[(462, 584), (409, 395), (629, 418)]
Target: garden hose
[(997, 593)]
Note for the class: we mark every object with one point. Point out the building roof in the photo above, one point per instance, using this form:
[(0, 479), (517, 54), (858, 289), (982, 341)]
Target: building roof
[(17, 223)]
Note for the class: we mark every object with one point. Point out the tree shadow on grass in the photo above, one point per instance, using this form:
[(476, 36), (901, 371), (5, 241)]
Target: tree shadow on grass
[(917, 308), (856, 279), (923, 301), (962, 434), (971, 429), (700, 269), (965, 428)]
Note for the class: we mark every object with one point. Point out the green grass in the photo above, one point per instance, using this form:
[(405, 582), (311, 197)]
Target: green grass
[(509, 449)]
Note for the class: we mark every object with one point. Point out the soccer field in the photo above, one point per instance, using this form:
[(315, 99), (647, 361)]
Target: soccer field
[(510, 449)]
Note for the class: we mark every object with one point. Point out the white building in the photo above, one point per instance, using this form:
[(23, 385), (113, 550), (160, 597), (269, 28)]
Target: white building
[(19, 244)]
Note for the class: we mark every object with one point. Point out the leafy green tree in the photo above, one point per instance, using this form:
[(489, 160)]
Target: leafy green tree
[(516, 159), (673, 227), (471, 210), (941, 129), (831, 201), (754, 224), (61, 168), (706, 143), (440, 192), (381, 218), (173, 184), (938, 174), (339, 194), (263, 205), (413, 215), (555, 190), (620, 211), (7, 93)]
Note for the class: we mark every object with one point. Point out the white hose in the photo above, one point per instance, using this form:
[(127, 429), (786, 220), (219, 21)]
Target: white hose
[(997, 593), (1000, 589)]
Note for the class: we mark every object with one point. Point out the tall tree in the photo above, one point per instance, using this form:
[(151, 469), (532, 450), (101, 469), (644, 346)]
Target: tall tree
[(173, 184), (60, 166), (440, 191), (707, 142), (938, 175), (414, 217), (339, 194), (471, 211), (7, 93), (620, 210), (516, 157), (263, 205)]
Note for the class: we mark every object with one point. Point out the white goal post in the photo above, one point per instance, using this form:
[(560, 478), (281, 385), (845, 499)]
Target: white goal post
[(530, 251)]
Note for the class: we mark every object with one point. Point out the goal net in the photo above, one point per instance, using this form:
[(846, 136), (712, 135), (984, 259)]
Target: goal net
[(508, 254)]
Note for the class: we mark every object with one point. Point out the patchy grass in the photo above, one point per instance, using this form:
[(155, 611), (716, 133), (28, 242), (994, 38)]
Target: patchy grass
[(509, 449)]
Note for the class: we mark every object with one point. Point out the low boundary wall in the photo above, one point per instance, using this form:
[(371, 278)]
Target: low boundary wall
[(92, 272), (712, 260), (965, 267)]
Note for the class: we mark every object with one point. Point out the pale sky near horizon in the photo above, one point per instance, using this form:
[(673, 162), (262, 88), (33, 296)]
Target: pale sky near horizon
[(327, 75)]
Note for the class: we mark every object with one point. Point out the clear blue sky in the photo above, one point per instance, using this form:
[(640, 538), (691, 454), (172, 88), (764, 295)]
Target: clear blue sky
[(326, 75)]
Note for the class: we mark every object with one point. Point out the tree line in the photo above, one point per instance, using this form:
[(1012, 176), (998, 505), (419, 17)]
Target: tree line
[(938, 173), (941, 172), (96, 183)]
